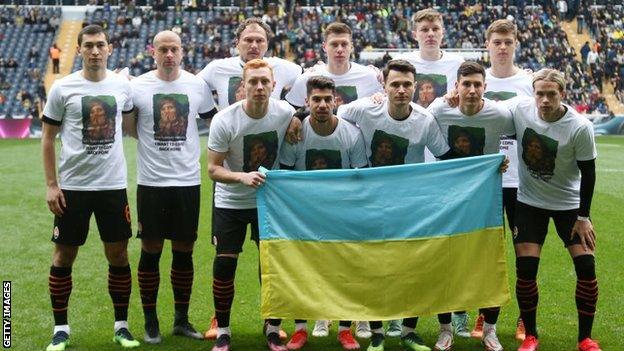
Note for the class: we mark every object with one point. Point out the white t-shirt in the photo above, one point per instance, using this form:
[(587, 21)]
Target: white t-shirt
[(168, 148), (226, 75), (89, 114), (474, 135), (249, 144), (549, 175), (392, 142), (358, 82), (500, 89), (344, 148)]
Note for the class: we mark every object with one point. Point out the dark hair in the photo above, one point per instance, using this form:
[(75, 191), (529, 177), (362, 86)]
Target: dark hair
[(337, 28), (92, 29), (402, 66), (254, 20), (470, 67), (320, 82)]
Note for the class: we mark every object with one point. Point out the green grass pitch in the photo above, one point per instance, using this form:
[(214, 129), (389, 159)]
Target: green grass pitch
[(26, 227)]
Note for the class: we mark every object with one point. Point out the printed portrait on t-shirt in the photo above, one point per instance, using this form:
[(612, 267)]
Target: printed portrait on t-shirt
[(323, 159), (170, 117), (387, 149), (98, 119), (259, 150), (539, 153), (236, 90), (499, 95), (345, 94), (428, 88), (466, 141)]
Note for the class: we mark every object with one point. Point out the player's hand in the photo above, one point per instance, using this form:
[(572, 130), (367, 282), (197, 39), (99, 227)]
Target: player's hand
[(378, 98), (293, 133), (504, 165), (378, 73), (585, 231), (452, 98), (253, 179), (55, 200)]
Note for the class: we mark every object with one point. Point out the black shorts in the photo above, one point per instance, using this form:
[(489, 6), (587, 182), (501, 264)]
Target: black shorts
[(229, 228), (532, 225), (168, 212), (510, 196), (112, 216)]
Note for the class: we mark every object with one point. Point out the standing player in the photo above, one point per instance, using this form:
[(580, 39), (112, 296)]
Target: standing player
[(505, 80), (473, 128), (397, 131), (436, 75), (252, 41), (328, 142), (168, 101), (86, 108), (557, 175), (244, 136), (353, 81)]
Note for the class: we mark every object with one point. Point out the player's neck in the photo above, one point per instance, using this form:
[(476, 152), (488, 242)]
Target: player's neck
[(324, 128), (94, 75), (505, 70), (431, 54), (338, 68), (168, 75), (555, 116), (255, 110), (399, 112), (470, 109)]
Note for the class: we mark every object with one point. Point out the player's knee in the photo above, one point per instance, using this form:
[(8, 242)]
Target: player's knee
[(182, 246), (152, 246), (585, 266), (64, 256), (116, 254)]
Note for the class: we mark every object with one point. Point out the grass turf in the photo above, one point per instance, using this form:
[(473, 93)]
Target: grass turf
[(26, 228)]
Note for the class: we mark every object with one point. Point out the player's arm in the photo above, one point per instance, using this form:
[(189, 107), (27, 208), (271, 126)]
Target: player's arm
[(583, 226), (129, 123), (54, 195), (218, 173)]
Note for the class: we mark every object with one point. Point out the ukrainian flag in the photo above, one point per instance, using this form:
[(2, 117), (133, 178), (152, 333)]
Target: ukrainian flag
[(383, 243)]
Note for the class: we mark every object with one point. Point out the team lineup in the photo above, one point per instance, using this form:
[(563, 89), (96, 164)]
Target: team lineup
[(423, 106)]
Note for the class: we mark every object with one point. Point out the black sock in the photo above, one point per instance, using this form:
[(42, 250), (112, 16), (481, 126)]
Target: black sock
[(60, 286), (375, 324), (345, 324), (444, 318), (119, 288), (149, 280), (586, 293), (182, 282), (223, 272), (490, 315), (527, 292), (410, 322)]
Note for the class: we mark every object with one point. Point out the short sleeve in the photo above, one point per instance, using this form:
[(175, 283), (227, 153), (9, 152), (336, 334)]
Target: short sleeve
[(128, 104), (296, 95), (584, 144), (436, 106), (218, 138), (349, 112), (207, 101), (55, 105), (357, 153), (207, 75), (435, 139)]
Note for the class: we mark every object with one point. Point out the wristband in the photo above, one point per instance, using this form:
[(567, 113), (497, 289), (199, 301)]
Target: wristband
[(582, 219)]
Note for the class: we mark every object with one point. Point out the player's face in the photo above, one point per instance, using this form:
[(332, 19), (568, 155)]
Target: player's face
[(400, 87), (322, 104), (97, 113), (253, 43), (338, 48), (94, 51), (470, 89), (501, 47), (429, 34), (319, 163), (168, 111), (534, 150), (426, 94), (547, 97), (383, 153), (258, 152), (168, 52), (462, 145), (259, 84)]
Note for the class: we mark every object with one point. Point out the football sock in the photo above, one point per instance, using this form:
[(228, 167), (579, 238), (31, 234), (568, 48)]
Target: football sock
[(223, 272), (410, 322), (527, 291), (182, 281), (149, 280), (60, 286), (444, 318), (119, 288), (490, 315), (586, 293)]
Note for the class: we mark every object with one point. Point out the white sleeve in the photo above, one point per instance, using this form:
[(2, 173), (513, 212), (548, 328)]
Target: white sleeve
[(437, 105), (435, 139), (357, 153), (55, 105), (128, 104), (207, 103), (349, 112), (297, 94), (218, 138), (293, 71), (207, 75), (288, 154), (584, 144)]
